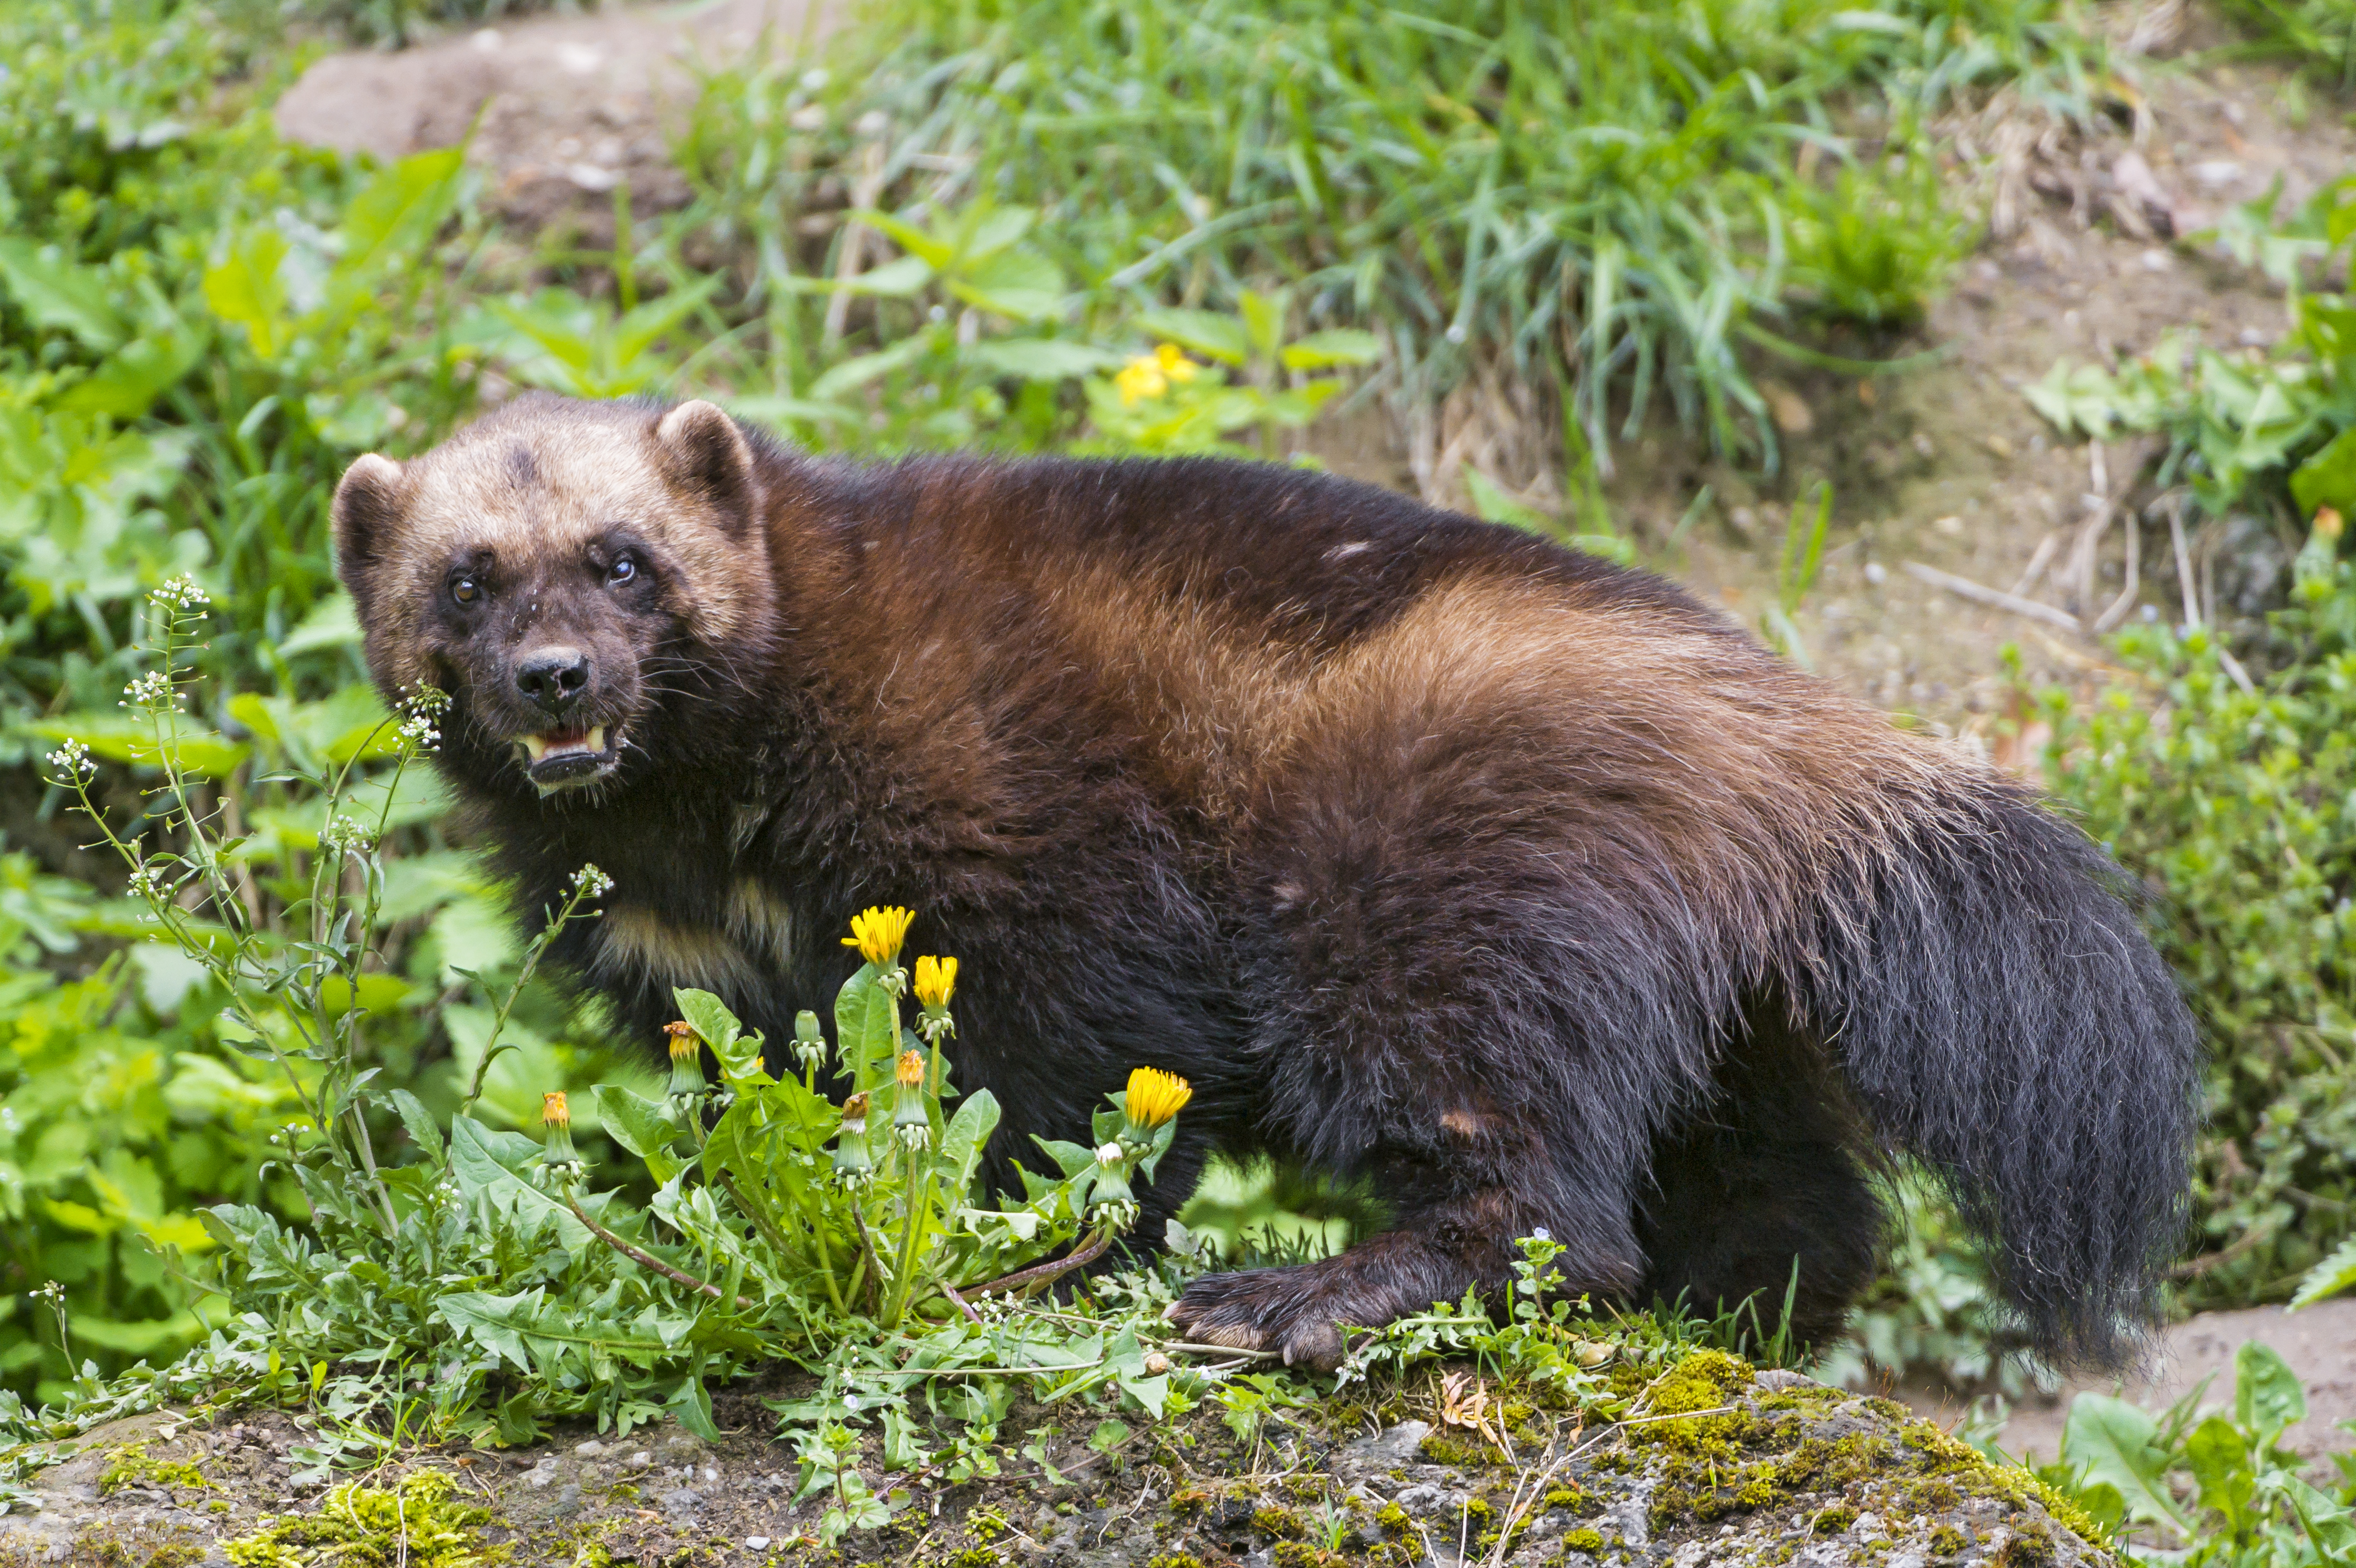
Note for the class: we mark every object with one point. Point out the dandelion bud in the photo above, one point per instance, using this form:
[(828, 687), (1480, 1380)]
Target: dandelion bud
[(1112, 1179), (686, 1061), (809, 1044), (851, 1162), (908, 1118), (559, 1120), (1154, 1096)]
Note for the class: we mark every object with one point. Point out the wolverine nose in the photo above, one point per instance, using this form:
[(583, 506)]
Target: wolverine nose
[(553, 678)]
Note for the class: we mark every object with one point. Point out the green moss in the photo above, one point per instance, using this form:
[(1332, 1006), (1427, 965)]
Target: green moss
[(1583, 1540), (130, 1465), (1442, 1449), (1947, 1542), (1187, 1499), (1832, 1520), (1393, 1517), (976, 1557), (1175, 1560), (418, 1522), (2030, 1546), (1280, 1523), (1478, 1507), (1298, 1555), (1577, 1499)]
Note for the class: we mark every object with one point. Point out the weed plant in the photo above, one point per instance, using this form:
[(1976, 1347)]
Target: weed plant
[(2233, 794), (2206, 1489)]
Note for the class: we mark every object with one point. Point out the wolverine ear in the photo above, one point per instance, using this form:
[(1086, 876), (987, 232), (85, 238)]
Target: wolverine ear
[(703, 451), (366, 509)]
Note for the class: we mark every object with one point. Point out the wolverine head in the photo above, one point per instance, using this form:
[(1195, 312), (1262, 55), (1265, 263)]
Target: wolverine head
[(566, 570)]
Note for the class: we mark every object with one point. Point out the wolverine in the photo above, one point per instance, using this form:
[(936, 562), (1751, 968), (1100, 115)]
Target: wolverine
[(1516, 883)]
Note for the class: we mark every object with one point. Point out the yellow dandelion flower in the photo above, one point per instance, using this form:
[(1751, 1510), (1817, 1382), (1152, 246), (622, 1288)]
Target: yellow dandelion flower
[(878, 934), (1171, 361), (910, 1071), (936, 979), (1141, 378), (682, 1039), (1155, 1096), (552, 1109)]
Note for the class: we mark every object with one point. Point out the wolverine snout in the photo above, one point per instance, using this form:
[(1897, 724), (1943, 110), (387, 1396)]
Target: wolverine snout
[(553, 679)]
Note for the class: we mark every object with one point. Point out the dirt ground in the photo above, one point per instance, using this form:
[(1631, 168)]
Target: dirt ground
[(2318, 1342), (1945, 467)]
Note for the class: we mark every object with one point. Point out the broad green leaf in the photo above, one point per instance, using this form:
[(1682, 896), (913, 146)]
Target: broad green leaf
[(1263, 316), (1339, 346), (243, 288), (640, 1125), (852, 374), (1022, 284), (397, 211), (1207, 333), (967, 1134), (638, 328), (480, 1173), (862, 1023), (2266, 1393), (2332, 1275), (2219, 1459), (422, 1129), (709, 1017), (128, 384), (127, 739), (54, 292), (1039, 358), (2328, 478), (920, 244), (895, 279), (2112, 1441)]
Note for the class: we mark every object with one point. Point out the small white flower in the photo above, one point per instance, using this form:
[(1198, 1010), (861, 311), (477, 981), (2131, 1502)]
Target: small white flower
[(153, 690), (147, 883), (346, 836), (1542, 1234), (72, 758), (180, 593), (590, 882)]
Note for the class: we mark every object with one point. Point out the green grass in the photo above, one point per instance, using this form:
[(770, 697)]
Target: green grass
[(1611, 200)]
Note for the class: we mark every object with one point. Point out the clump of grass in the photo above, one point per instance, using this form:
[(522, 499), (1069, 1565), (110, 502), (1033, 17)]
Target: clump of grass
[(1605, 198)]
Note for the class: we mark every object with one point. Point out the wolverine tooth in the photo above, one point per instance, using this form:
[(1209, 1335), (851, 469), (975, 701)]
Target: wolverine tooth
[(536, 746), (598, 737)]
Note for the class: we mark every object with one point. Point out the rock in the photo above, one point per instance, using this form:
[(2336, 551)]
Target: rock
[(1396, 1445)]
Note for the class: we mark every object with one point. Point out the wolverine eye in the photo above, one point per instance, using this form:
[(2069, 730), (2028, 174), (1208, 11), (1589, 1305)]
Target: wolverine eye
[(622, 571), (465, 590)]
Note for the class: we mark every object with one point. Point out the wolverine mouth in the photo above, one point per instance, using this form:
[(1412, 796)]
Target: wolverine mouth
[(559, 758)]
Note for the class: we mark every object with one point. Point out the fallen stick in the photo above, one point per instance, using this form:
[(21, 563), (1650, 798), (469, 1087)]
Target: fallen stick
[(1965, 588)]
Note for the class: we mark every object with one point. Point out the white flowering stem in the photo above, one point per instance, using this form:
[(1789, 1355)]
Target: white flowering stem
[(588, 883)]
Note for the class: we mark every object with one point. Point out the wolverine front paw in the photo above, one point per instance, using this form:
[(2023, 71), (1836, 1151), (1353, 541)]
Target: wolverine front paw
[(1275, 1309)]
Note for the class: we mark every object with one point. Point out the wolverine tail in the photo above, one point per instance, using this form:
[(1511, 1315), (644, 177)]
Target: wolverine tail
[(2001, 1016)]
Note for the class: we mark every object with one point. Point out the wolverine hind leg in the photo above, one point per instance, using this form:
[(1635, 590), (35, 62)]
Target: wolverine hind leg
[(1759, 1196)]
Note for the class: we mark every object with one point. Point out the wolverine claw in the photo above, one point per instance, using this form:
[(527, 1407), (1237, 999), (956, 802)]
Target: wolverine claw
[(1273, 1311)]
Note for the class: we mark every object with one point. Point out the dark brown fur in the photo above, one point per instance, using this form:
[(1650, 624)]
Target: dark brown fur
[(1426, 850)]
